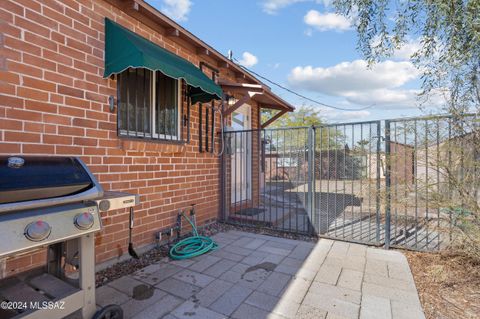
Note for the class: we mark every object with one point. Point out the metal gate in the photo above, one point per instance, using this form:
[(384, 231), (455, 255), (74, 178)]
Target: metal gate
[(373, 182), (346, 182)]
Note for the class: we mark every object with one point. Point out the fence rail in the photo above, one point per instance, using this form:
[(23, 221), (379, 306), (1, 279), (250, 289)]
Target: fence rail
[(392, 183)]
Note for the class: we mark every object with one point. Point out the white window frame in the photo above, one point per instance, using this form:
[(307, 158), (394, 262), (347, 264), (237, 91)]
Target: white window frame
[(152, 109)]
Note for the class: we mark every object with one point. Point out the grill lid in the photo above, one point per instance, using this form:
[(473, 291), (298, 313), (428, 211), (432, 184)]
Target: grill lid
[(33, 178)]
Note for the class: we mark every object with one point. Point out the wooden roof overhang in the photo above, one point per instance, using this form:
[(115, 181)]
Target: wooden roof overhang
[(259, 93)]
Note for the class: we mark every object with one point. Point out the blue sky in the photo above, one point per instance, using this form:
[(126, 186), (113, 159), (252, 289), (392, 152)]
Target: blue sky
[(304, 45)]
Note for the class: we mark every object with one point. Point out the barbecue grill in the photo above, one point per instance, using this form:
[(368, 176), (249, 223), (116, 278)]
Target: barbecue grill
[(52, 203)]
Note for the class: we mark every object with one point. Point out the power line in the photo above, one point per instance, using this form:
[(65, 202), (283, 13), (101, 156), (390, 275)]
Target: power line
[(298, 94)]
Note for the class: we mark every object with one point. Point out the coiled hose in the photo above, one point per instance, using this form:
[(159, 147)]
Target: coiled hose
[(193, 246)]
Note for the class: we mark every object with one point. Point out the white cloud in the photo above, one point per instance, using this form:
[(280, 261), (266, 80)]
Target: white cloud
[(176, 9), (407, 50), (358, 84), (248, 59), (332, 115), (327, 21), (352, 76), (273, 6)]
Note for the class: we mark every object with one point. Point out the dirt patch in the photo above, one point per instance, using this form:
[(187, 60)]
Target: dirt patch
[(448, 285)]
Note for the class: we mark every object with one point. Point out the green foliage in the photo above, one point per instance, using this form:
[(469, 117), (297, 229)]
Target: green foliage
[(449, 31), (302, 116)]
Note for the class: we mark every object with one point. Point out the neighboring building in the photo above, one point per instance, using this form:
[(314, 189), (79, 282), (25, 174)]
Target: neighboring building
[(67, 89)]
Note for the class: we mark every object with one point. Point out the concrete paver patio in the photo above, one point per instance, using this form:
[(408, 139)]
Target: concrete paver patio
[(258, 276)]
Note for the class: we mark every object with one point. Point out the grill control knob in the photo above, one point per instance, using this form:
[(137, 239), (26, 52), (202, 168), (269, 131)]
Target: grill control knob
[(83, 221), (37, 231)]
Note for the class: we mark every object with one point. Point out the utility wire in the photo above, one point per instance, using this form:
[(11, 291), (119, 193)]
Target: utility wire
[(298, 94)]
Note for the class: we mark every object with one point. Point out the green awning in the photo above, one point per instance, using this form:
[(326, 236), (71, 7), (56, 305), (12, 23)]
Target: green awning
[(125, 49)]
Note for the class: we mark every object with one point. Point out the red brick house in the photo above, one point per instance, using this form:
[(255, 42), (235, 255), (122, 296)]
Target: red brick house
[(139, 130)]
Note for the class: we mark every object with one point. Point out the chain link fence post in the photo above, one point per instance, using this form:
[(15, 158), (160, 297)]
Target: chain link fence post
[(310, 149), (387, 184)]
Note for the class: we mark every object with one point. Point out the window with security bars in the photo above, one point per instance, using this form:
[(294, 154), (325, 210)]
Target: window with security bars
[(148, 105)]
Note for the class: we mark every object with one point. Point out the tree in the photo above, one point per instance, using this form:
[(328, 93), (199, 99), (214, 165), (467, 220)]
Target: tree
[(449, 33), (302, 116), (327, 137), (449, 59)]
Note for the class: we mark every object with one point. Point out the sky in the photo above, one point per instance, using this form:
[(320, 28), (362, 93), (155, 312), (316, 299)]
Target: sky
[(305, 46)]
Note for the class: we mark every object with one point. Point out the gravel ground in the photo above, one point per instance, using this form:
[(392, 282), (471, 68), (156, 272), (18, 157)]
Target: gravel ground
[(156, 254)]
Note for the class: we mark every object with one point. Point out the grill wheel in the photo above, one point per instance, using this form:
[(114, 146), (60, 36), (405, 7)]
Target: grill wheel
[(109, 312)]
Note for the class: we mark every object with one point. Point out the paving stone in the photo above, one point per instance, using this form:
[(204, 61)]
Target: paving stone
[(296, 290), (194, 278), (357, 250), (385, 255), (376, 267), (355, 263), (160, 308), (401, 310), (212, 292), (274, 250), (185, 263), (231, 276), (273, 258), (162, 273), (374, 307), (330, 291), (262, 301), (219, 268), (308, 312), (300, 252), (150, 269), (253, 260), (250, 280), (222, 240), (240, 268), (331, 315), (339, 249), (246, 311), (222, 253), (390, 282), (254, 244), (274, 284), (237, 234), (178, 288), (242, 251), (242, 242), (286, 308), (253, 279), (305, 274), (192, 311), (231, 299), (332, 305), (125, 284), (400, 271), (328, 274), (391, 293), (204, 262), (134, 306), (282, 244), (107, 295), (287, 269), (351, 279), (292, 262)]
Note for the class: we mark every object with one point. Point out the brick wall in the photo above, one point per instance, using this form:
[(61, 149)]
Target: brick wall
[(54, 101)]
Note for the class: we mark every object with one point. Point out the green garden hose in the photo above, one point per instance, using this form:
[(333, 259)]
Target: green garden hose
[(192, 246)]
